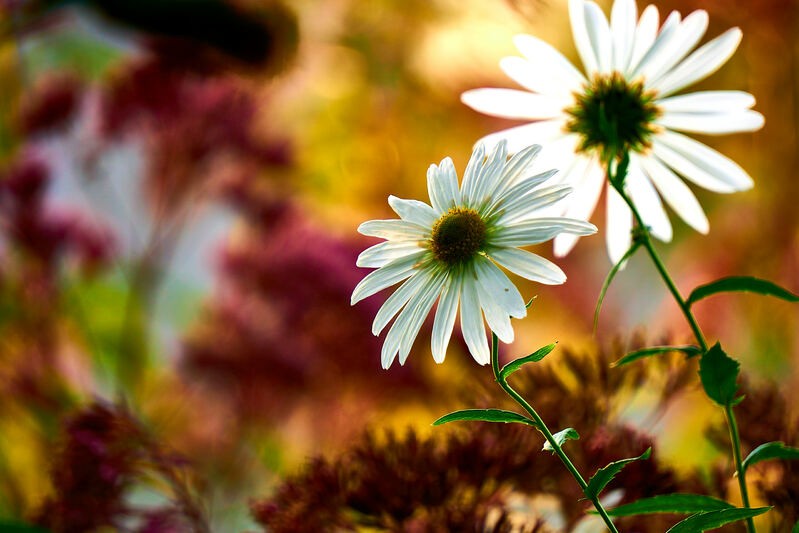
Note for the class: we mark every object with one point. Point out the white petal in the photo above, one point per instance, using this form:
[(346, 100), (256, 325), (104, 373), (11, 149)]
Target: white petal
[(400, 297), (447, 173), (647, 201), (501, 289), (586, 179), (701, 164), (713, 123), (645, 33), (599, 35), (510, 103), (674, 192), (488, 177), (472, 321), (688, 34), (618, 236), (660, 48), (539, 230), (520, 137), (436, 190), (498, 320), (445, 317), (393, 229), (505, 195), (529, 265), (519, 167), (473, 167), (522, 207), (381, 254), (622, 28), (707, 102), (581, 39), (545, 70), (413, 211), (702, 63), (419, 312), (386, 276)]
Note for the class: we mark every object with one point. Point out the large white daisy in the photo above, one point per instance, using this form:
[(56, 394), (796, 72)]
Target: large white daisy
[(449, 251), (625, 102)]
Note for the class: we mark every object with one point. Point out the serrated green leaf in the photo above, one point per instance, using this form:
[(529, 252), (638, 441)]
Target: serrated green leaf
[(561, 437), (605, 474), (534, 357), (713, 519), (485, 415), (770, 450), (688, 350), (719, 375), (671, 503), (741, 284), (612, 274)]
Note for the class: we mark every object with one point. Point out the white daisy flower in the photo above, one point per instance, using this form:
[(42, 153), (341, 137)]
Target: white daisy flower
[(450, 251), (624, 103)]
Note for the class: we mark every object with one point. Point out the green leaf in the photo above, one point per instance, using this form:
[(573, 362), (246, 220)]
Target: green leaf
[(671, 503), (485, 415), (741, 284), (561, 437), (612, 274), (795, 528), (690, 351), (530, 302), (719, 375), (605, 474), (19, 527), (713, 519), (534, 357), (770, 450)]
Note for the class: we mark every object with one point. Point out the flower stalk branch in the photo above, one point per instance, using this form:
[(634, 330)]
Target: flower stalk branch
[(642, 235), (545, 431)]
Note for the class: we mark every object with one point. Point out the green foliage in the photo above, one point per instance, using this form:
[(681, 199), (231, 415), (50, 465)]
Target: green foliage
[(534, 357), (485, 415), (719, 375), (795, 528), (561, 437), (671, 503), (688, 350), (713, 519), (612, 274), (770, 450), (605, 474), (741, 284), (18, 527)]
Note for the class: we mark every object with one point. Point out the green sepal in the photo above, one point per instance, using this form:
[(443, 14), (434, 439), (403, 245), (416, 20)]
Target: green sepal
[(561, 437), (741, 284), (485, 415), (688, 350), (605, 474), (714, 519), (609, 279), (671, 503), (719, 375), (770, 450), (534, 357)]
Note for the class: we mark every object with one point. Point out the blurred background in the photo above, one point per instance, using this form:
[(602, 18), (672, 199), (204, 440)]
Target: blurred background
[(181, 184)]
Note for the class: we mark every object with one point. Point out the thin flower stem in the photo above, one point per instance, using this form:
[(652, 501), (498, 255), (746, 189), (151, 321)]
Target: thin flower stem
[(736, 450), (542, 427), (644, 237)]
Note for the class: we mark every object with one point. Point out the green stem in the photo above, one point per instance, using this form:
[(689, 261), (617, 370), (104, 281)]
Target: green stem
[(736, 450), (644, 237), (542, 427)]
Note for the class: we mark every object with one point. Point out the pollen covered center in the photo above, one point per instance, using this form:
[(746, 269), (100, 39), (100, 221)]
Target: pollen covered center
[(613, 116), (458, 235)]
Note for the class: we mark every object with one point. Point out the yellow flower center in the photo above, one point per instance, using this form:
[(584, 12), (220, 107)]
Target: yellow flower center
[(458, 235)]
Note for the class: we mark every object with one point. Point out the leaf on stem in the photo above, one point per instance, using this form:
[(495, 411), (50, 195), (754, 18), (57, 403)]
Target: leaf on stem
[(530, 302), (688, 350), (561, 437), (485, 415), (719, 375), (713, 519), (534, 357), (671, 503), (605, 474), (741, 284), (770, 450), (612, 274)]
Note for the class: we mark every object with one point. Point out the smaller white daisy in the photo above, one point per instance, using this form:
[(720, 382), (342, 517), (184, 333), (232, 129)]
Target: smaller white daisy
[(449, 251)]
